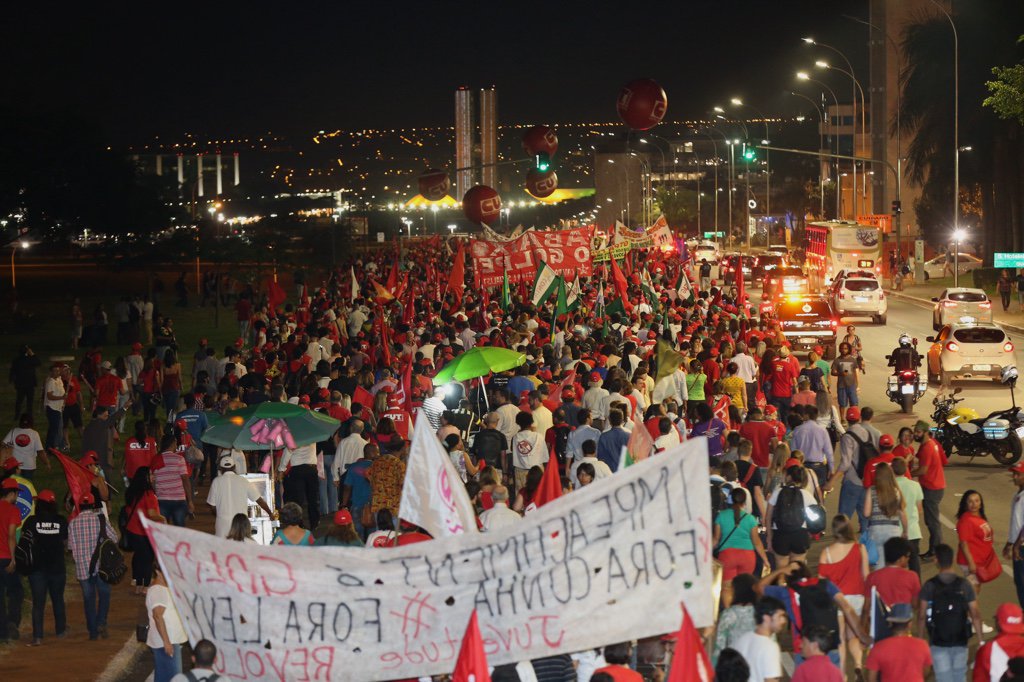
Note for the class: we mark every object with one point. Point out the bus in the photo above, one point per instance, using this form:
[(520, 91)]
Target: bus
[(841, 245)]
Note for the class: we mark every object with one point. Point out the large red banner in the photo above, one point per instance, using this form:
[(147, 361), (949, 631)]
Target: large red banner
[(565, 251)]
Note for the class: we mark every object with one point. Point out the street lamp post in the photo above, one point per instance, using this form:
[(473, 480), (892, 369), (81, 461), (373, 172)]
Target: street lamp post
[(736, 101), (804, 76), (863, 129), (958, 236), (715, 146), (14, 249), (821, 174), (956, 120)]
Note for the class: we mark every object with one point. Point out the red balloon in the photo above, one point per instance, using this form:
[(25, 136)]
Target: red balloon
[(540, 184), (482, 205), (642, 104), (434, 184), (540, 139)]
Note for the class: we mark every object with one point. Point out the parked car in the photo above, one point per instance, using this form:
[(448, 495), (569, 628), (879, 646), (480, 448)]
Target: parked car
[(936, 267), (858, 294), (969, 351), (961, 304)]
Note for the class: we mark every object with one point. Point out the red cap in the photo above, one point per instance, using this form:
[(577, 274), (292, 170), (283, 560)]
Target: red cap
[(819, 350), (324, 393), (136, 346), (9, 484), (568, 393), (181, 425), (771, 409), (342, 517), (544, 374), (1018, 467), (239, 342), (11, 463), (89, 458), (304, 400), (47, 496), (1010, 619), (886, 441), (595, 377), (853, 413), (792, 462)]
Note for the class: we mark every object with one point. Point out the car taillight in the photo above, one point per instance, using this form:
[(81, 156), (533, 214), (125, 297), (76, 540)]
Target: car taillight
[(842, 294), (906, 374), (835, 323), (881, 295), (985, 305), (949, 304), (1008, 347), (953, 346)]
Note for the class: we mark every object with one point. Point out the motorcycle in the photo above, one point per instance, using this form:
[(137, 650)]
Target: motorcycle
[(963, 431), (905, 387)]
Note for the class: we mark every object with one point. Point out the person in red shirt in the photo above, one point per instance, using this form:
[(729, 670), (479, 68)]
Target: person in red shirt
[(887, 455), (12, 593), (977, 555), (816, 666), (762, 437), (901, 656), (138, 451), (618, 656), (72, 403), (771, 418), (783, 380), (994, 655), (929, 472), (905, 445), (243, 313), (108, 387), (896, 584)]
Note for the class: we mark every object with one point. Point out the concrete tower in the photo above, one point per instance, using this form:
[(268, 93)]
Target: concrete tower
[(464, 129), (489, 136)]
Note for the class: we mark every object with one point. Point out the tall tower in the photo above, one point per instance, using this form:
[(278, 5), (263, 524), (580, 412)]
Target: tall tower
[(489, 136), (464, 129)]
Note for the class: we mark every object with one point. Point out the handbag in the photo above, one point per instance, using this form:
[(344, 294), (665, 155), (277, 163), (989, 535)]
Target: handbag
[(107, 560), (715, 552), (142, 633), (123, 517), (990, 570)]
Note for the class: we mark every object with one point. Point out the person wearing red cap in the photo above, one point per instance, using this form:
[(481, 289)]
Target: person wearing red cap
[(851, 466), (595, 399), (49, 533), (994, 656), (341, 533), (11, 590)]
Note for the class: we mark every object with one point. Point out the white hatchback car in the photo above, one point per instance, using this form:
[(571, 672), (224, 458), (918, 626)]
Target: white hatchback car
[(969, 351), (860, 295), (936, 267), (707, 250), (961, 304)]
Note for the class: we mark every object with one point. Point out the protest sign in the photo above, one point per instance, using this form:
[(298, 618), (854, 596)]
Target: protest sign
[(564, 251), (608, 563)]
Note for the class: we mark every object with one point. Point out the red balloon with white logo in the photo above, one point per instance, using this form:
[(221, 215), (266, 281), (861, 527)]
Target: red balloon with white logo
[(434, 184), (540, 184), (642, 104), (540, 139), (482, 205)]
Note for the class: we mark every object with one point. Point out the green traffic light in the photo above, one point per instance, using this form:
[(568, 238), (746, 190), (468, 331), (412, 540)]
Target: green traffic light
[(542, 162), (749, 154)]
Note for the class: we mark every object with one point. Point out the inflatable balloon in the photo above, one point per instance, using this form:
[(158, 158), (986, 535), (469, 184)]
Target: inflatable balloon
[(482, 205), (434, 184), (540, 139), (642, 104), (540, 184)]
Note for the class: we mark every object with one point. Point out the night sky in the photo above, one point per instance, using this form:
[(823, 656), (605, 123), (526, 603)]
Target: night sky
[(216, 69)]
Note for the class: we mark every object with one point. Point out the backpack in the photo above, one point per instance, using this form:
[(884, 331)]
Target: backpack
[(107, 560), (949, 621), (814, 514), (24, 551), (812, 605), (719, 497), (790, 514), (190, 676), (866, 451)]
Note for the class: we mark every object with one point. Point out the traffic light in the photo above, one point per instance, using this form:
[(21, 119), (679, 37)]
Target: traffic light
[(749, 154), (542, 162), (897, 207)]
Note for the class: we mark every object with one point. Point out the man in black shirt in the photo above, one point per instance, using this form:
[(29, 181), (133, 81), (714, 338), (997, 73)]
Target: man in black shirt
[(490, 444), (49, 531), (23, 376)]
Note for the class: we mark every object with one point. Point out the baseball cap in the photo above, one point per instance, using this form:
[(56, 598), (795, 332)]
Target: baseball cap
[(1018, 467), (1010, 618), (226, 462), (853, 413), (89, 457), (9, 484), (568, 393), (886, 441), (181, 425), (239, 342), (47, 496), (904, 613), (11, 463), (342, 517), (792, 462), (771, 409), (595, 377), (324, 392), (136, 346)]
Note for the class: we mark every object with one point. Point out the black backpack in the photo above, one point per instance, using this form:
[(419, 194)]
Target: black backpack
[(789, 513), (866, 452), (24, 551), (813, 605), (949, 622), (107, 560)]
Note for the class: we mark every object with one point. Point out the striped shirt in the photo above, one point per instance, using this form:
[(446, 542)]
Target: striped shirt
[(167, 478), (83, 532)]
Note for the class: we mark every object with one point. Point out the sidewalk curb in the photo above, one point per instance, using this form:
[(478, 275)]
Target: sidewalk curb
[(927, 303), (122, 660)]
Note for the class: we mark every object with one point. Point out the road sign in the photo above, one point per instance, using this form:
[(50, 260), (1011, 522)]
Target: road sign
[(713, 235), (1009, 260)]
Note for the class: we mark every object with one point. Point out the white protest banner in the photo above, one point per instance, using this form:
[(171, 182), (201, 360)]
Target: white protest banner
[(433, 496), (608, 563)]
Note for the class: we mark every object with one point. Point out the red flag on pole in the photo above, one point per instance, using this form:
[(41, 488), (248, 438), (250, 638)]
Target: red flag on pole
[(275, 294), (690, 662), (554, 398), (739, 282), (551, 485), (392, 283), (363, 397), (621, 287), (78, 477), (457, 280), (471, 665)]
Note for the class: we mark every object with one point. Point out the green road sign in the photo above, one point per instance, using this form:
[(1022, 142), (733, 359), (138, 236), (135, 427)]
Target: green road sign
[(1009, 260), (712, 235)]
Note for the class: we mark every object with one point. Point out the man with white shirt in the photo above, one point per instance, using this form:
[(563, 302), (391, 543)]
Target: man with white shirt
[(349, 450), (669, 435), (507, 413), (542, 418), (589, 455), (230, 494), (746, 369), (499, 515), (595, 399), (301, 483), (54, 395), (582, 433), (466, 335), (528, 449), (758, 647)]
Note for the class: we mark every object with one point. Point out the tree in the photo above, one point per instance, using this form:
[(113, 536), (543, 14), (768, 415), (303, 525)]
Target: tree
[(1007, 98)]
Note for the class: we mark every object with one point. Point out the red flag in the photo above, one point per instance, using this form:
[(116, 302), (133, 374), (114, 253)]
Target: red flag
[(275, 294), (406, 386), (363, 397), (739, 282), (78, 477), (392, 283), (621, 287), (690, 662), (383, 295), (551, 485), (555, 397), (471, 665), (409, 305), (457, 280)]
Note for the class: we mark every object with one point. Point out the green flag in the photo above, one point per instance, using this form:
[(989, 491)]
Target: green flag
[(544, 284), (561, 305), (573, 294), (615, 306), (683, 288), (506, 295), (647, 286)]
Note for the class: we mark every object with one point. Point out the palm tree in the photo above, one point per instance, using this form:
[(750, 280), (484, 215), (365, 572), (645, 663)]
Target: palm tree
[(994, 168)]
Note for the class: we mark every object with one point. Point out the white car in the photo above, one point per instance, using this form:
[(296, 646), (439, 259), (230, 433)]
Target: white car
[(961, 304), (708, 250), (936, 267), (860, 295), (969, 351)]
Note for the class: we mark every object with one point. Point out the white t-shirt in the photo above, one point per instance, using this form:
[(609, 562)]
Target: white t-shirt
[(25, 445), (762, 655), (158, 595), (230, 494), (498, 516), (528, 450), (54, 387), (808, 501), (381, 538)]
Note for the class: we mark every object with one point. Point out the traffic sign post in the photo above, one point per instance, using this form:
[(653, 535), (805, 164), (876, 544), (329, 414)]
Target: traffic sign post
[(1008, 260)]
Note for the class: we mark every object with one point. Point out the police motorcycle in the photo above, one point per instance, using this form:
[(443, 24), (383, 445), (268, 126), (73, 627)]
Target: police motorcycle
[(963, 431), (905, 385)]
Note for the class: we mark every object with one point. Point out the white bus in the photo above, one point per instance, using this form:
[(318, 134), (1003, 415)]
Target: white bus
[(841, 245)]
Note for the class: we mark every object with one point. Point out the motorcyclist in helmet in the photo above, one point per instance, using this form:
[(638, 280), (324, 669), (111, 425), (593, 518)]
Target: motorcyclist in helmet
[(905, 356)]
